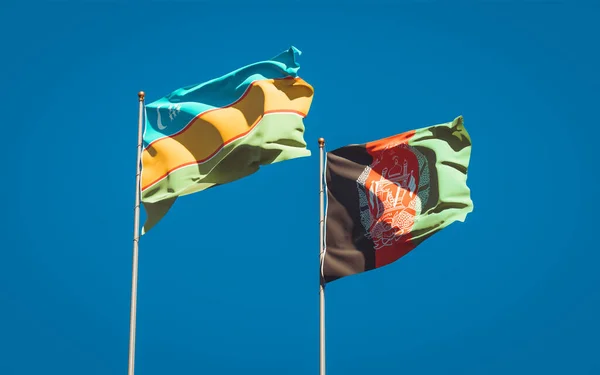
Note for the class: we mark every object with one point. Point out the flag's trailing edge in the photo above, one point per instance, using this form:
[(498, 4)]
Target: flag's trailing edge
[(222, 130), (386, 197)]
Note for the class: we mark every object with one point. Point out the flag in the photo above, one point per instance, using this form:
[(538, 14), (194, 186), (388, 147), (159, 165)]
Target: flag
[(386, 197), (219, 131)]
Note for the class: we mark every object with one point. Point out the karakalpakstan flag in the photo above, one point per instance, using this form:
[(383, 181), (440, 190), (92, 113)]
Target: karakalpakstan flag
[(386, 197), (222, 130)]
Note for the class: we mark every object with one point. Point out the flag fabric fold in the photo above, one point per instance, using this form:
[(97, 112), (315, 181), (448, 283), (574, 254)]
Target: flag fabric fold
[(386, 197), (222, 130)]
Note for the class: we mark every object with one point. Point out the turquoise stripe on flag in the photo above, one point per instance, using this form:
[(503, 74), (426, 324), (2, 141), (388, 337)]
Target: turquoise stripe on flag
[(172, 113)]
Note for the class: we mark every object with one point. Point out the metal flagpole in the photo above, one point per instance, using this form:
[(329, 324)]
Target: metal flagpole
[(321, 249), (136, 239)]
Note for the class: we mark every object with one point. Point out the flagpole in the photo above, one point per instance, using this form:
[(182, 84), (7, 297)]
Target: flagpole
[(321, 249), (136, 239)]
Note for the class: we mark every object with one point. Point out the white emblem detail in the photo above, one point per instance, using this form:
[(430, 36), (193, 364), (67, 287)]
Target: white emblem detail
[(174, 110), (389, 206), (158, 121)]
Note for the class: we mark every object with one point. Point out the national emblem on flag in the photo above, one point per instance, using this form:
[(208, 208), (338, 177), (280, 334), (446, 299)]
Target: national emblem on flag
[(386, 197), (222, 130)]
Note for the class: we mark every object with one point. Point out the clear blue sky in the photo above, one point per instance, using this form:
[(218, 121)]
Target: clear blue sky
[(229, 279)]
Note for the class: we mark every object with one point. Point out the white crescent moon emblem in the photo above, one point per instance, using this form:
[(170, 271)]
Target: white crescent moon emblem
[(159, 121)]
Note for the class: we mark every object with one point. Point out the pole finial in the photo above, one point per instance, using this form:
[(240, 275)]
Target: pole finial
[(321, 142), (141, 95)]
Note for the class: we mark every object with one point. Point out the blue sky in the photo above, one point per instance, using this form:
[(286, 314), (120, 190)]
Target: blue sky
[(229, 279)]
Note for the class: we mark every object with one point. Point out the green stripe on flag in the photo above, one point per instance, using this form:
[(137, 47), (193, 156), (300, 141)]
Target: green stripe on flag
[(448, 147)]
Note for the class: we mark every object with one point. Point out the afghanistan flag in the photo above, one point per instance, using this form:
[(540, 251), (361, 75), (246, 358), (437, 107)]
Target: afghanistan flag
[(386, 197), (222, 130)]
